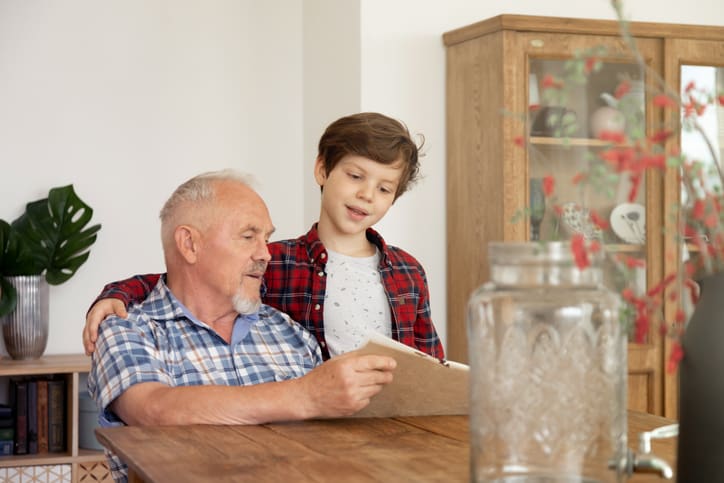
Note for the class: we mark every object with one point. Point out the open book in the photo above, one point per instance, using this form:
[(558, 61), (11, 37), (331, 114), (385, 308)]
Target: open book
[(423, 386)]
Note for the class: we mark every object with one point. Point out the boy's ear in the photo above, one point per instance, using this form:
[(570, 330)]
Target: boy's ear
[(320, 173)]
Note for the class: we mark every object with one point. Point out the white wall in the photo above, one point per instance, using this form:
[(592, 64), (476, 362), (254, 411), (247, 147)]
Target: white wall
[(126, 99)]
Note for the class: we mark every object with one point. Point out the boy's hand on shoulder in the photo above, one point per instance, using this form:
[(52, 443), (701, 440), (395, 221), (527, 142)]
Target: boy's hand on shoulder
[(100, 310), (345, 384)]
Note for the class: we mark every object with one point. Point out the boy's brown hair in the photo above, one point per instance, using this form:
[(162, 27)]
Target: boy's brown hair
[(373, 136)]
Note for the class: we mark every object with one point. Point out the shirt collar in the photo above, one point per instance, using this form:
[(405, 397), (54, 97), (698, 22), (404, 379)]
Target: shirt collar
[(315, 247), (242, 323)]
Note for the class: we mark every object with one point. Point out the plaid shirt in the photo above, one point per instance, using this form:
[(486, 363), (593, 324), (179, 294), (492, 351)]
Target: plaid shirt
[(296, 282), (161, 341)]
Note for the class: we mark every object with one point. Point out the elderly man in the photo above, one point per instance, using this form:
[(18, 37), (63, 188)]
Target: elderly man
[(202, 348)]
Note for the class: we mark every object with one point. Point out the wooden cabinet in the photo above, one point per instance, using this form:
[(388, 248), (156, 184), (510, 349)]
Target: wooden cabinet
[(86, 465), (495, 72)]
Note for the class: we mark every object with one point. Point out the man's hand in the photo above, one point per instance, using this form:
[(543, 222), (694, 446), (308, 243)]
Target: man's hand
[(100, 310), (345, 384)]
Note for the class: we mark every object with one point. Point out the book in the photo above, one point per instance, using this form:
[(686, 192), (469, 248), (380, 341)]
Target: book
[(19, 398), (422, 384), (7, 420), (42, 415), (7, 436), (56, 415), (32, 414)]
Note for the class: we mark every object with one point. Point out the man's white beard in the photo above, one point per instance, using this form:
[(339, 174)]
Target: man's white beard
[(245, 306)]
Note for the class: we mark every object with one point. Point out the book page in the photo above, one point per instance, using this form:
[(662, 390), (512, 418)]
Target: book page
[(422, 385)]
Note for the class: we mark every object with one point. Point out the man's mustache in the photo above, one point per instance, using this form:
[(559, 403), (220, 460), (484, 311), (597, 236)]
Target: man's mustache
[(259, 267)]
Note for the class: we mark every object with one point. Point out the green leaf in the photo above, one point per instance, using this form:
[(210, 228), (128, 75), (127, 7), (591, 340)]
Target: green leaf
[(54, 235), (8, 296)]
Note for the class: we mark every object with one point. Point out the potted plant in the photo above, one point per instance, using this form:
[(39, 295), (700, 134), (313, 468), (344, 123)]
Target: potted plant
[(699, 280), (45, 245)]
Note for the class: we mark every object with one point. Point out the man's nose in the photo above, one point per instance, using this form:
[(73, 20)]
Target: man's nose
[(262, 252)]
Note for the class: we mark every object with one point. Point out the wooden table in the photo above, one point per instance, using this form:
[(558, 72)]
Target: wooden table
[(426, 448)]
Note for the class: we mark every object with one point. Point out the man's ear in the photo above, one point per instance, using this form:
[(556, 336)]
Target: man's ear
[(186, 238), (320, 173)]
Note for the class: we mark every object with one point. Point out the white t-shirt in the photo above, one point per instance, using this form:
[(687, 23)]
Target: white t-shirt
[(355, 302)]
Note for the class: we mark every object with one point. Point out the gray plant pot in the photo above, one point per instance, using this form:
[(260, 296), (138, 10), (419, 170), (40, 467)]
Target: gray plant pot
[(25, 330)]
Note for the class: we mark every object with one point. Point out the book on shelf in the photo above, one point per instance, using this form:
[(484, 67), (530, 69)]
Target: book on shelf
[(42, 415), (7, 436), (19, 399), (56, 415), (7, 419), (32, 414)]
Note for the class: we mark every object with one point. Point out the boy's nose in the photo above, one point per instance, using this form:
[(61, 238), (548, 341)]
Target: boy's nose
[(365, 192)]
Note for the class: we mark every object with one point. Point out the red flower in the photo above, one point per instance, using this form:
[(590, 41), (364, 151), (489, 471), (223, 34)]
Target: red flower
[(662, 100), (622, 89), (598, 220), (519, 141), (578, 246), (721, 100), (698, 210), (712, 220), (677, 353), (635, 183), (642, 325), (616, 137), (590, 64), (660, 136), (548, 185), (578, 178), (689, 87), (550, 82), (633, 262)]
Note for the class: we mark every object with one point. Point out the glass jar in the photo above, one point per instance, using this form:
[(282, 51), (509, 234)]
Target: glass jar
[(548, 369)]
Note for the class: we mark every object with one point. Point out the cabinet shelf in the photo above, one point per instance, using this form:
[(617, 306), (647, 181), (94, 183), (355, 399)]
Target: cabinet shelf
[(563, 142), (70, 366)]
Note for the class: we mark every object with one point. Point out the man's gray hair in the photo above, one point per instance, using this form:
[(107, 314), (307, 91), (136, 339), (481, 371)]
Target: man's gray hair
[(200, 188)]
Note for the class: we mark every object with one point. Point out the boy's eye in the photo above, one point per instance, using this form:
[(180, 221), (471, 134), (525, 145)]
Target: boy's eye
[(354, 176), (385, 190)]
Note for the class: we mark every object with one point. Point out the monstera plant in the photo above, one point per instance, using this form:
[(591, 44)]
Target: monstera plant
[(50, 238)]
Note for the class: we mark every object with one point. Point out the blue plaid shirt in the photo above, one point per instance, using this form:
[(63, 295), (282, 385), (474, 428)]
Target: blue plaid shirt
[(161, 341)]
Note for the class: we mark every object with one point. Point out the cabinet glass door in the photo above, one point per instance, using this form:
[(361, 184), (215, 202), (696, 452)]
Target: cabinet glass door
[(576, 133), (590, 199), (705, 143), (700, 62)]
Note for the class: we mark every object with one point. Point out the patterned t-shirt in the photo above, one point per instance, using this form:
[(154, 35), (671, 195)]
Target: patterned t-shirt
[(355, 302)]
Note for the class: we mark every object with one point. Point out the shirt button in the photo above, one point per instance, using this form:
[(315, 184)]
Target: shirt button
[(321, 274), (316, 307), (324, 255), (323, 344)]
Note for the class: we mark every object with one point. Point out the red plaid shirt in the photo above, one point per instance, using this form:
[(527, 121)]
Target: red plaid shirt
[(295, 282)]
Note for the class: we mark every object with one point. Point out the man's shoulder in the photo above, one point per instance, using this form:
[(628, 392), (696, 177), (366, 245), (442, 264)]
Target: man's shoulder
[(270, 313)]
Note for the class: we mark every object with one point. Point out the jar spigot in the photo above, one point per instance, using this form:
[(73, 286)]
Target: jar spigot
[(644, 461)]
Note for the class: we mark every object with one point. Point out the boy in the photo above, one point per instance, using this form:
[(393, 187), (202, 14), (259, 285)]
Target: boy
[(340, 280)]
